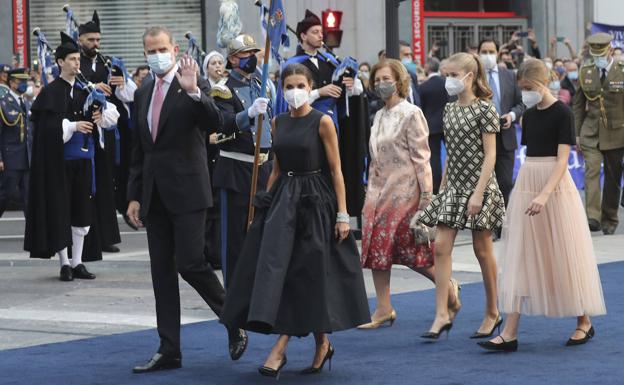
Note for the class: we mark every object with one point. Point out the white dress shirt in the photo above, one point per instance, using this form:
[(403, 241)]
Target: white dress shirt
[(168, 78)]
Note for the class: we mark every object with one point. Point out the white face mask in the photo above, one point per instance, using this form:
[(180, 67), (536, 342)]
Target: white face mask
[(455, 86), (601, 62), (489, 61), (296, 97), (548, 65), (159, 62), (531, 98), (30, 91)]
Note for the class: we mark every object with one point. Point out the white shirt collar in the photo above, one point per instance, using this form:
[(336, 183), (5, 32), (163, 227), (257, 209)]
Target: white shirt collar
[(170, 75), (495, 69), (608, 68)]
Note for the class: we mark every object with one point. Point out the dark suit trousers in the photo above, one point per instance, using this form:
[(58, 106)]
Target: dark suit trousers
[(237, 208), (10, 180), (176, 245), (435, 145), (611, 188), (504, 172)]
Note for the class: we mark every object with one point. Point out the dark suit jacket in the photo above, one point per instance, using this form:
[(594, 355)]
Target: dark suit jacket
[(433, 98), (176, 163), (511, 100), (415, 89)]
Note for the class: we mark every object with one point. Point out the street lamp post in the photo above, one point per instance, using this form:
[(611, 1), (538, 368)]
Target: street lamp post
[(392, 28)]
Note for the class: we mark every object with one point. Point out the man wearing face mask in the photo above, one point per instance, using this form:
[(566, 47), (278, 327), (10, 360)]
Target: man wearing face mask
[(169, 189), (4, 77), (240, 104), (15, 140), (599, 124), (507, 99), (570, 81)]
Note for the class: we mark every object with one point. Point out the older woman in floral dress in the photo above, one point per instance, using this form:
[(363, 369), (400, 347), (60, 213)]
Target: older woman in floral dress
[(399, 186)]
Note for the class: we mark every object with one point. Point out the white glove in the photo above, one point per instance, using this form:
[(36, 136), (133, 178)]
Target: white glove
[(258, 107)]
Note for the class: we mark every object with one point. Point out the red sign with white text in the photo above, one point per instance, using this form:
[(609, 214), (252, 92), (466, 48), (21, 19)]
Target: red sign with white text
[(418, 31), (20, 31)]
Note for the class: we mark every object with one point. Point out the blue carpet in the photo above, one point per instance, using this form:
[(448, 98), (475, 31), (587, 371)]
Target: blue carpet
[(393, 355)]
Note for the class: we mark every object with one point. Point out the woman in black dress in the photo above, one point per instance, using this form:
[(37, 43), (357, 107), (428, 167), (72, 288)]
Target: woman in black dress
[(299, 269)]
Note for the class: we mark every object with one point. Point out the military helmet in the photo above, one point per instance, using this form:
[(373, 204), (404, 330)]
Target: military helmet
[(242, 43)]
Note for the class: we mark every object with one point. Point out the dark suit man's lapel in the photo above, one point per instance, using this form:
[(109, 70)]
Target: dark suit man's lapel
[(169, 103), (147, 99)]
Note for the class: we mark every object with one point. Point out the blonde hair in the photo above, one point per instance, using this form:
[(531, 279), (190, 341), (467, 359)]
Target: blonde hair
[(534, 70), (399, 73), (470, 62)]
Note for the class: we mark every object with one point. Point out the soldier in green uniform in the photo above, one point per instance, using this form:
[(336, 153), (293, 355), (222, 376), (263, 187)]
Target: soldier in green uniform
[(599, 124)]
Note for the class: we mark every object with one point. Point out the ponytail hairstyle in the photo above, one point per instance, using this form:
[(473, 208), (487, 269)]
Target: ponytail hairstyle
[(534, 71), (470, 62)]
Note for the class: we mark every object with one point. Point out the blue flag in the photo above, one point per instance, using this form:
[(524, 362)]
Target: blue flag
[(118, 62), (45, 57), (276, 27), (70, 27)]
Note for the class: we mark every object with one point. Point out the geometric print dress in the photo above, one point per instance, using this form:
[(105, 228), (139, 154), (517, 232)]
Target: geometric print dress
[(463, 128)]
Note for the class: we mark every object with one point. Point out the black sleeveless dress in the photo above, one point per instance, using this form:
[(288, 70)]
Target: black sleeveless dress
[(293, 277)]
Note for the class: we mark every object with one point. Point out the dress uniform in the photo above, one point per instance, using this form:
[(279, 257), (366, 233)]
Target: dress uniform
[(233, 171), (599, 123), (15, 141), (4, 72)]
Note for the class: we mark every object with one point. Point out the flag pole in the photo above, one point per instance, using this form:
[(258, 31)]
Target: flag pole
[(260, 118)]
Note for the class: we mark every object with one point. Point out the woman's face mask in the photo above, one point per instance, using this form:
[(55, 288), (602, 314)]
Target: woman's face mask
[(385, 89), (455, 86)]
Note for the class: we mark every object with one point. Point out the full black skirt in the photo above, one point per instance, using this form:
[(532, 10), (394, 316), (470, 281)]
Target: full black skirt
[(292, 276)]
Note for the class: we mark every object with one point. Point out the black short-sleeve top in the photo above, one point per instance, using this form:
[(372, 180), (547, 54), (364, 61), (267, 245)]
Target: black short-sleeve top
[(544, 130)]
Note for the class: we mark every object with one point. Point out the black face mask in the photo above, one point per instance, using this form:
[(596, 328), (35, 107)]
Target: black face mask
[(248, 64)]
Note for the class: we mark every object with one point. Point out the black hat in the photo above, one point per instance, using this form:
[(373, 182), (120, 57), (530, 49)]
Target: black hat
[(67, 46), (90, 26), (310, 20), (19, 73)]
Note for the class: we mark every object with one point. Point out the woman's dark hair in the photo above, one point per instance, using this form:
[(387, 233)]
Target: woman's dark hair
[(297, 69)]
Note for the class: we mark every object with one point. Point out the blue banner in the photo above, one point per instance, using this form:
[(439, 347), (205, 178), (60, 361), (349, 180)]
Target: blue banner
[(617, 31)]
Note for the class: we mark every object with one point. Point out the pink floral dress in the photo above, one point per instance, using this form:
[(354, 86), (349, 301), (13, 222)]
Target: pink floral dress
[(399, 172)]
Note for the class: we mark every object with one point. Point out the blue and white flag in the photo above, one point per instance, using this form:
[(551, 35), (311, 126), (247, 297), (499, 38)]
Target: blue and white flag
[(275, 23)]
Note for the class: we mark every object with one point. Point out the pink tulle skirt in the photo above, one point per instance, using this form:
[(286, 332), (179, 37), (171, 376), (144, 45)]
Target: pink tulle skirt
[(547, 263)]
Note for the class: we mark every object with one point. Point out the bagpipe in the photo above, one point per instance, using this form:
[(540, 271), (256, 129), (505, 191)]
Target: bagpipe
[(96, 102), (347, 67), (45, 54), (195, 51)]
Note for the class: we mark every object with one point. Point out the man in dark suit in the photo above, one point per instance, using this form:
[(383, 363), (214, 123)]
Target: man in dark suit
[(507, 99), (433, 98), (169, 188)]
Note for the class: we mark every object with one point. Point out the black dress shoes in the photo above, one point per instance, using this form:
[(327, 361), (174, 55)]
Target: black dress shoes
[(594, 225), (589, 334), (81, 272), (66, 273), (110, 249), (505, 346), (237, 341), (608, 230), (159, 362)]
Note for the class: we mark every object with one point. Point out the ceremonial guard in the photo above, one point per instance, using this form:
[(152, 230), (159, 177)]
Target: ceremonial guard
[(340, 94), (15, 139), (4, 77), (98, 70), (61, 180), (240, 103), (599, 124)]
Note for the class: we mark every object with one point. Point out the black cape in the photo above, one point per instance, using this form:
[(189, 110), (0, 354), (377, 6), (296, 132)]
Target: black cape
[(48, 223), (104, 228), (353, 139)]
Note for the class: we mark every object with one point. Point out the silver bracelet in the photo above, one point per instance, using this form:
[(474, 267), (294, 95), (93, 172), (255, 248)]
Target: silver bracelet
[(342, 218)]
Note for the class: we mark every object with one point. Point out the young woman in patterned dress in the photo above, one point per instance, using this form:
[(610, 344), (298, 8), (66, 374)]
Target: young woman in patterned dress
[(399, 185), (469, 195)]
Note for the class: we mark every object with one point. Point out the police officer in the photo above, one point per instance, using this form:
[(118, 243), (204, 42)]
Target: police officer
[(599, 122), (15, 139), (240, 103), (4, 76)]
